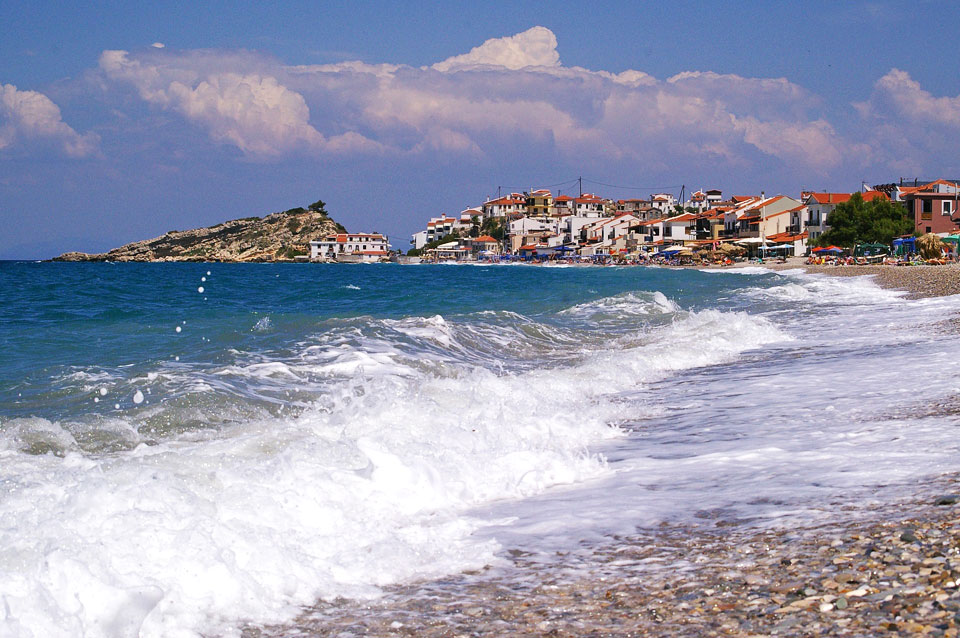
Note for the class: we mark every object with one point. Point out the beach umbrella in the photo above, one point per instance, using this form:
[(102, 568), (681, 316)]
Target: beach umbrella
[(833, 250), (930, 246), (732, 250)]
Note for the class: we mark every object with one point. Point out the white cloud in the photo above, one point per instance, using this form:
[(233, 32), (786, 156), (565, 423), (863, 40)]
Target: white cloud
[(252, 111), (501, 95), (534, 47), (909, 130), (903, 95), (30, 115)]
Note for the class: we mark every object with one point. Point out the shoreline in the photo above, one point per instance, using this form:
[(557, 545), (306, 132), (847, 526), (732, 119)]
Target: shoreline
[(918, 282), (892, 568), (880, 565)]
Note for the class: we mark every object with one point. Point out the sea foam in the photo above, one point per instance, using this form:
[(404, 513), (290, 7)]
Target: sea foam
[(414, 423)]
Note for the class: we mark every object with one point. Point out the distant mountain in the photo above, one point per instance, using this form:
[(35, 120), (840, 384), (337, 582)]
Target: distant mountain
[(277, 237)]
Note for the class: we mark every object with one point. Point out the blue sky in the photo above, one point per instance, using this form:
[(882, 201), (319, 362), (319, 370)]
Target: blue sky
[(393, 113)]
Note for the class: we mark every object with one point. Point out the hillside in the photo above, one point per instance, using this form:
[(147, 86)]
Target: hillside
[(276, 237)]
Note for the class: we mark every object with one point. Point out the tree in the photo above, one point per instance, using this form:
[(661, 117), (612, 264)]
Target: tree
[(856, 221), (494, 227), (318, 206)]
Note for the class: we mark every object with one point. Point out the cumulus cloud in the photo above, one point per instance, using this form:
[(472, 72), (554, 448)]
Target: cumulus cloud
[(534, 47), (30, 115), (911, 130), (898, 92), (252, 111), (503, 94)]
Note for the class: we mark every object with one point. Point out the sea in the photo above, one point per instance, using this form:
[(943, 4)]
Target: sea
[(188, 449)]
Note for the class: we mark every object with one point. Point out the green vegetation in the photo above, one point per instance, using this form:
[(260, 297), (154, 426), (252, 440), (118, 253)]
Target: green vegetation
[(318, 206), (856, 221), (493, 226), (291, 252)]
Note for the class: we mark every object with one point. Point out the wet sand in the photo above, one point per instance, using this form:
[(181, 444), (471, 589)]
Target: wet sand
[(892, 568)]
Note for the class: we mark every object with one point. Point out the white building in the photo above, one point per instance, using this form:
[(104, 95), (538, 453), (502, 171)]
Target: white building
[(420, 239), (664, 202), (351, 247), (514, 203)]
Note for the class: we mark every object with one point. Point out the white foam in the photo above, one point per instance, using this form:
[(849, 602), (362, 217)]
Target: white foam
[(367, 486)]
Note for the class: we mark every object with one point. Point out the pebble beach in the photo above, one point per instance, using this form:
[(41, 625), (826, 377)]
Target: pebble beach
[(918, 281), (893, 570), (873, 568)]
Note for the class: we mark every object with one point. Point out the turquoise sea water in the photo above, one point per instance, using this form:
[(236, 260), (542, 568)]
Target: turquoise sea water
[(120, 319), (178, 462)]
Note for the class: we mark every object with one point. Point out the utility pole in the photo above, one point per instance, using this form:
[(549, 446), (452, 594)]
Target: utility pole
[(580, 181)]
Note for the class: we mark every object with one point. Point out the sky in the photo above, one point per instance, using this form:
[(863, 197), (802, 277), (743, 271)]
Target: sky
[(122, 121)]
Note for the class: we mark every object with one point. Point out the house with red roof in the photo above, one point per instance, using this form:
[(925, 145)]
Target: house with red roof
[(664, 202), (484, 244), (589, 205), (820, 205), (351, 247), (512, 204), (933, 207), (539, 203)]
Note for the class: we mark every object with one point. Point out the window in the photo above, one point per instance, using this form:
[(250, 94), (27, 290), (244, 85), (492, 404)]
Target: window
[(946, 207)]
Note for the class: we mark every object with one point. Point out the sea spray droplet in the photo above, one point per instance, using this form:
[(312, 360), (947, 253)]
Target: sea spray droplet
[(138, 397), (179, 328), (203, 279), (96, 399), (116, 406), (208, 273), (200, 289), (176, 358), (103, 392)]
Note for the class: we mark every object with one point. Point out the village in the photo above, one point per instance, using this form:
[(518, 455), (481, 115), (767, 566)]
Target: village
[(537, 226)]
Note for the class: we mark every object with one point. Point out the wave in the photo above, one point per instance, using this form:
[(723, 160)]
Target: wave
[(329, 469)]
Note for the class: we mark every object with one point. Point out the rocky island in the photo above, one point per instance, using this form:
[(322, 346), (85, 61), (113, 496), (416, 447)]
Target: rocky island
[(280, 236)]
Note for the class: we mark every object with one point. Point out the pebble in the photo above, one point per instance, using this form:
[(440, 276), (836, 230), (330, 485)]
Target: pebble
[(899, 574)]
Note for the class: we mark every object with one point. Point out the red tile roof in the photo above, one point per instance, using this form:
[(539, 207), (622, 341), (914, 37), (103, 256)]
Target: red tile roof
[(782, 237)]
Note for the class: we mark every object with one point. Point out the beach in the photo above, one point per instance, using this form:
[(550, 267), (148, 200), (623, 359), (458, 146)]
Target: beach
[(877, 567), (893, 569), (445, 451), (918, 281)]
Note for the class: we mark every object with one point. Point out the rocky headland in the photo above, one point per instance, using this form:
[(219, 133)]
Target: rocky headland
[(277, 237)]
